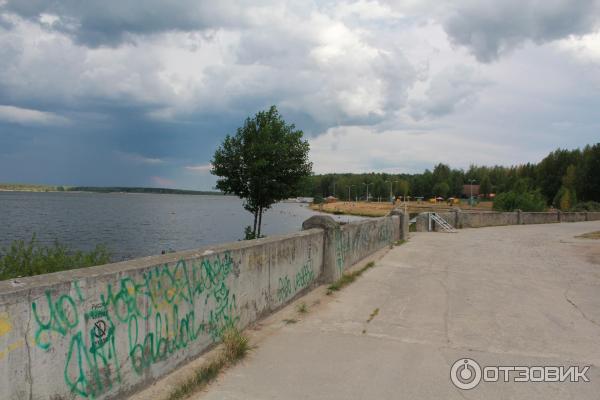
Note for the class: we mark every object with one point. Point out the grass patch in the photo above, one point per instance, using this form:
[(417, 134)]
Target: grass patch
[(235, 347), (399, 242), (373, 315), (33, 258), (302, 308), (348, 278), (289, 321), (589, 235)]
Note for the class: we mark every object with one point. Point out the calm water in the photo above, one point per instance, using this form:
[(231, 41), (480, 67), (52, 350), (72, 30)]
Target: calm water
[(136, 225)]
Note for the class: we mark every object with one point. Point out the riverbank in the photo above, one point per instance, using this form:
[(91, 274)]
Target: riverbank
[(380, 209)]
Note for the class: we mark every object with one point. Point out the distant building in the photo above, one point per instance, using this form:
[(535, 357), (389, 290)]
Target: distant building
[(330, 199), (470, 190)]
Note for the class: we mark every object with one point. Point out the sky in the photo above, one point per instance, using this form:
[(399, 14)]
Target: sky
[(140, 93)]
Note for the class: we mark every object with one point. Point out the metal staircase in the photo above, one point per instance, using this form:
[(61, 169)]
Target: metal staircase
[(446, 227)]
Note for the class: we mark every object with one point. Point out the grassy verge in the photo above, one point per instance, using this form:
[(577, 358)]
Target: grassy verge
[(348, 278), (235, 347), (590, 235)]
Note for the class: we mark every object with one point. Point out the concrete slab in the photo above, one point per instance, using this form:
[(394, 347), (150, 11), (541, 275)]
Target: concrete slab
[(512, 295)]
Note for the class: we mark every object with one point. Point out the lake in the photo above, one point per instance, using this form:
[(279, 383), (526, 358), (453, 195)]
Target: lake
[(137, 225)]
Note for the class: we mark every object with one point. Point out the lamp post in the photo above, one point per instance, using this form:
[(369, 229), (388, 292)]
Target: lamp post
[(392, 191), (471, 181), (349, 198)]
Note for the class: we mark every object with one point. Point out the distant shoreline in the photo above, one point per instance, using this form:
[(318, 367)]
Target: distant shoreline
[(100, 189)]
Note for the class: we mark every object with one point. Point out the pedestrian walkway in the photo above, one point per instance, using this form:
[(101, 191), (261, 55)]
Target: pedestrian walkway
[(506, 296)]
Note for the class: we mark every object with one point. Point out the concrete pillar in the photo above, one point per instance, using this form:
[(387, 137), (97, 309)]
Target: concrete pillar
[(558, 216), (519, 217), (457, 218), (331, 237), (404, 222)]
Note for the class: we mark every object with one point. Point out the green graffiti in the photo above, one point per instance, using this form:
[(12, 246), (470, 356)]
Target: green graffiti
[(304, 277), (284, 289), (62, 317), (341, 248), (163, 309), (384, 233)]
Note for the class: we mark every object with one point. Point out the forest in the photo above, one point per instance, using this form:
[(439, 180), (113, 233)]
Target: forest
[(565, 179)]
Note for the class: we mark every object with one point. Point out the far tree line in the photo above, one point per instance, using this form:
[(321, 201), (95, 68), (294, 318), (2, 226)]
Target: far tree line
[(563, 179)]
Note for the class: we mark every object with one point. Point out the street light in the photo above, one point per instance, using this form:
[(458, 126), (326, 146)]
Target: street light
[(471, 181), (392, 191), (367, 189)]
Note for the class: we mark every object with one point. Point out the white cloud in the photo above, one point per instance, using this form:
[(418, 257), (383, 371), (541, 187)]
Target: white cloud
[(199, 168), (26, 116), (362, 149)]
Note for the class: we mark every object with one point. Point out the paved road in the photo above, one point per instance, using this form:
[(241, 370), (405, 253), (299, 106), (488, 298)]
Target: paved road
[(520, 295)]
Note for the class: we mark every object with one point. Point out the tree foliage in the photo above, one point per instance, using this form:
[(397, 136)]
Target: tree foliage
[(524, 201), (576, 170), (263, 163)]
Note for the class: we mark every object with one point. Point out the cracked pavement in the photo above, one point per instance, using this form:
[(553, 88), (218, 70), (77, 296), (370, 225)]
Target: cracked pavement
[(515, 295)]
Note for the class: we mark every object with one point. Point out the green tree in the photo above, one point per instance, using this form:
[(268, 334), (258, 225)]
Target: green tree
[(441, 189), (265, 162), (522, 200), (485, 187)]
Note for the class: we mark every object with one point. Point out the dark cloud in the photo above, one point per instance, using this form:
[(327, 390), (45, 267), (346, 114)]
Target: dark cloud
[(110, 22), (490, 28)]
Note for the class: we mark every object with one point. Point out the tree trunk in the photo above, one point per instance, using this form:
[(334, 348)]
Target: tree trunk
[(255, 219), (260, 211)]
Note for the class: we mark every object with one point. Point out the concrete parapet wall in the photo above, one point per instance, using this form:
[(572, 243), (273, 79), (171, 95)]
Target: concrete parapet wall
[(593, 216), (539, 217), (470, 219), (357, 240), (573, 216), (102, 332), (477, 220), (345, 245)]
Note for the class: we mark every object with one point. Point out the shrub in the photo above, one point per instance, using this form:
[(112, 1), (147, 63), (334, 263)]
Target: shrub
[(525, 201), (30, 258), (587, 206)]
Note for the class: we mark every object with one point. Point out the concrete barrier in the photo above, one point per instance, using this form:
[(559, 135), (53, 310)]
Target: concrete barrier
[(573, 216), (539, 217), (104, 332), (345, 245), (471, 219), (592, 216)]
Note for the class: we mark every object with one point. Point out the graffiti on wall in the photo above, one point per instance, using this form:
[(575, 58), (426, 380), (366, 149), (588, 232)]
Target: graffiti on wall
[(284, 290), (302, 279), (354, 243), (157, 313)]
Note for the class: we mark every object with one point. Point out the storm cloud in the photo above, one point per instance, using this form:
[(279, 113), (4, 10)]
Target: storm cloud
[(148, 89), (491, 28)]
